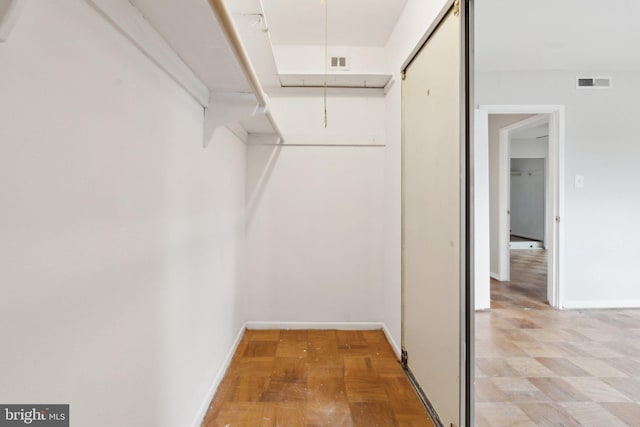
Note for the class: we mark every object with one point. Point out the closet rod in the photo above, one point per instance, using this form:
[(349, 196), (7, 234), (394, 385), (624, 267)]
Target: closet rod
[(233, 37)]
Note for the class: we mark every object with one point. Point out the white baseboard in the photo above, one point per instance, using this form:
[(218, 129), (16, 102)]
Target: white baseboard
[(394, 345), (204, 407), (595, 304), (526, 245), (495, 276), (343, 326)]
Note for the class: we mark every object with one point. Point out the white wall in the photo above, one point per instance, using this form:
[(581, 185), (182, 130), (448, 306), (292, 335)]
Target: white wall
[(529, 148), (314, 220), (481, 235), (121, 235), (354, 127), (527, 198), (415, 20), (601, 144), (496, 122)]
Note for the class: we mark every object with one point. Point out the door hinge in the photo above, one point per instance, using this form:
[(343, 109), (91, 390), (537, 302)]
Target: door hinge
[(404, 358), (456, 8)]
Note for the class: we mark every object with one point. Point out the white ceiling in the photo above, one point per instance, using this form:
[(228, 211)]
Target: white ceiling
[(351, 22), (587, 35), (557, 35)]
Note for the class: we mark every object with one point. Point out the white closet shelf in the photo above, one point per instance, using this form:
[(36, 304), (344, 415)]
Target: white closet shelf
[(197, 43), (364, 81)]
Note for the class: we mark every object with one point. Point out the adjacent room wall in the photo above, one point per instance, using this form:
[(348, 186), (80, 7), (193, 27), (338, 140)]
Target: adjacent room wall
[(523, 152), (121, 235), (599, 220), (315, 213), (529, 148), (497, 122), (527, 202)]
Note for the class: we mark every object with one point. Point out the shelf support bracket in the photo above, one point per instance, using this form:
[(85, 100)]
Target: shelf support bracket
[(225, 108)]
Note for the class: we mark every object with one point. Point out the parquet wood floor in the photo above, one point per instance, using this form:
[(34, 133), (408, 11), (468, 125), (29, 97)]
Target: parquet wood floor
[(312, 378), (540, 366)]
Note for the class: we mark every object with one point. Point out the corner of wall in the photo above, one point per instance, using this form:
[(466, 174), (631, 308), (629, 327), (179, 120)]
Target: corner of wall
[(217, 380)]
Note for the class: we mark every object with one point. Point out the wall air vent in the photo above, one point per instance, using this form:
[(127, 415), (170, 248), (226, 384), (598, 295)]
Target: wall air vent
[(339, 63), (593, 82)]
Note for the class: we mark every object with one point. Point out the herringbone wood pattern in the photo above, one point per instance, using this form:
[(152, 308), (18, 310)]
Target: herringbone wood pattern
[(315, 378)]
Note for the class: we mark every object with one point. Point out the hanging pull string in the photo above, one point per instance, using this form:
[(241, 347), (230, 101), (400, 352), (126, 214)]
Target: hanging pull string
[(326, 58)]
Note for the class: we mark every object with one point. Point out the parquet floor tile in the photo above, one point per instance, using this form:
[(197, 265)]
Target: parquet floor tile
[(540, 366), (315, 379)]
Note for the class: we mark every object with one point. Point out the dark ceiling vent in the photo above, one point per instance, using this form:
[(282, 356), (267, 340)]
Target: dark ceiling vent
[(593, 82), (339, 63)]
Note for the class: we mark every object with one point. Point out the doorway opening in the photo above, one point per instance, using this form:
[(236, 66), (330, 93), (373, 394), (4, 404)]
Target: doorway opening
[(518, 196), (522, 236), (528, 154)]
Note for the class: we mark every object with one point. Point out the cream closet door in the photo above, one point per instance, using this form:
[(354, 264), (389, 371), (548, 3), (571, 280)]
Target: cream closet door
[(433, 188)]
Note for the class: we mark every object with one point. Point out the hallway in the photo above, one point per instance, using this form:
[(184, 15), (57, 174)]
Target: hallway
[(539, 366)]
